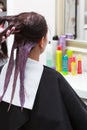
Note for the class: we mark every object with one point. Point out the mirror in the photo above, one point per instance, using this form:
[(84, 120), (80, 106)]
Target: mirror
[(75, 18), (70, 17), (3, 7)]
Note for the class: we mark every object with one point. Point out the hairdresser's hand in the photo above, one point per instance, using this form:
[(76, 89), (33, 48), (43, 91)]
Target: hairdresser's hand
[(6, 34)]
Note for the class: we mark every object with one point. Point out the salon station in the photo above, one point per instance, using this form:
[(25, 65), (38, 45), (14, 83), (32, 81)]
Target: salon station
[(67, 37)]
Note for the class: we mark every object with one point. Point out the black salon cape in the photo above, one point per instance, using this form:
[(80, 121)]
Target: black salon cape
[(56, 107)]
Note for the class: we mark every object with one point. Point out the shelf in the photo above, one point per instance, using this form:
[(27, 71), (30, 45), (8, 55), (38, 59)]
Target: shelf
[(85, 26), (77, 45), (82, 50), (79, 87)]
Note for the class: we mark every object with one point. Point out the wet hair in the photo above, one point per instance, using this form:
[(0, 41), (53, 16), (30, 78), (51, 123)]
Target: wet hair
[(3, 51), (30, 27)]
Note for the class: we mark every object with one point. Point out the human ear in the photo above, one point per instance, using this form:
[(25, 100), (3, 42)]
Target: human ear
[(43, 42)]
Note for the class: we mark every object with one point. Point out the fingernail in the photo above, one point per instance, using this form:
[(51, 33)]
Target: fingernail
[(8, 33), (3, 39), (12, 29)]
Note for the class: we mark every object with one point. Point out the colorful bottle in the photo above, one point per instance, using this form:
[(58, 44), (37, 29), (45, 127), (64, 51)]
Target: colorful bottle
[(69, 54), (73, 66), (62, 42), (54, 44), (79, 65), (65, 65), (69, 36), (49, 55), (59, 58)]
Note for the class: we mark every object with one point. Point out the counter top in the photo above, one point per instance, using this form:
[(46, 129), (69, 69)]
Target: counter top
[(78, 83)]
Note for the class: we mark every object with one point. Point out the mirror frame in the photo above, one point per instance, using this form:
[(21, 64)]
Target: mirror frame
[(59, 17)]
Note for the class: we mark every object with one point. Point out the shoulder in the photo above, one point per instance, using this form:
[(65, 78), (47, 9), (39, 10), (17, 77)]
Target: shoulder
[(55, 76), (53, 73), (57, 80)]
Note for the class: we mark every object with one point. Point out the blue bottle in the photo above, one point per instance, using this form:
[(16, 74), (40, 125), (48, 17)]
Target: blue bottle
[(65, 65)]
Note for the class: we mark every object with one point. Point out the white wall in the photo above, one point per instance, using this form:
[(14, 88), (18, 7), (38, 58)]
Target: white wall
[(44, 7)]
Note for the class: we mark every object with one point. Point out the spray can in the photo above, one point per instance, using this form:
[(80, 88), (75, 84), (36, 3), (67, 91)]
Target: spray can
[(59, 58)]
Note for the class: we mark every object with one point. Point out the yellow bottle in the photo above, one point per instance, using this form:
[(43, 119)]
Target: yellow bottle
[(59, 58)]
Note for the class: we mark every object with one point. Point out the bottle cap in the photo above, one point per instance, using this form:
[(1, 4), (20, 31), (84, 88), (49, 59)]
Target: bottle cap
[(65, 57), (62, 38), (55, 37), (79, 57), (69, 53), (73, 59), (59, 47)]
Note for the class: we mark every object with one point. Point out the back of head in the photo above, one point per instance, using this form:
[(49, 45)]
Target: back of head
[(33, 27), (29, 25)]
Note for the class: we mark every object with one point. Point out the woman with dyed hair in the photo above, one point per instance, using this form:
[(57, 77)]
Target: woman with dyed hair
[(33, 96)]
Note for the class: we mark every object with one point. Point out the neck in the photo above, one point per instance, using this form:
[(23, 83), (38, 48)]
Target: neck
[(34, 57), (35, 53)]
